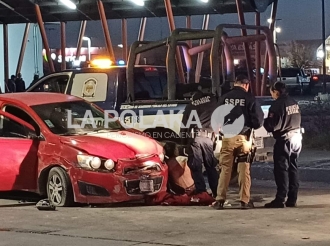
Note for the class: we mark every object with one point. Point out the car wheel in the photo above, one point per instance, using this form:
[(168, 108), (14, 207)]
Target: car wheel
[(59, 188)]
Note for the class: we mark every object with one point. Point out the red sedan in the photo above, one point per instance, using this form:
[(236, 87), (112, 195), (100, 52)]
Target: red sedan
[(48, 147)]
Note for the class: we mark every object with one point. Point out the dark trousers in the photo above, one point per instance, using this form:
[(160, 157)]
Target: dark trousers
[(201, 152), (286, 153)]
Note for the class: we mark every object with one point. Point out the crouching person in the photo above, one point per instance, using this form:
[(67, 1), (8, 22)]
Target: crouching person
[(180, 178), (181, 187)]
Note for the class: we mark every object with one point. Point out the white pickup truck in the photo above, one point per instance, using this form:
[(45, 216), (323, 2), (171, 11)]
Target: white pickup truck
[(295, 79), (107, 88)]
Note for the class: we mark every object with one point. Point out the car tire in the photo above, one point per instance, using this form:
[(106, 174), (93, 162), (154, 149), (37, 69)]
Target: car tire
[(59, 188)]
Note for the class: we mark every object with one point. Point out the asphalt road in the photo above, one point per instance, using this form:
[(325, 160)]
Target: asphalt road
[(160, 225)]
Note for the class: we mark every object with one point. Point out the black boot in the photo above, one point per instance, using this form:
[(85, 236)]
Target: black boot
[(274, 204)]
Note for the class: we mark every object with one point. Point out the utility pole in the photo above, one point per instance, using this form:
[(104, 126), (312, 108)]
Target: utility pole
[(324, 49)]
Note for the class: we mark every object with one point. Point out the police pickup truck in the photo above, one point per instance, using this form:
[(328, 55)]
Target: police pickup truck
[(150, 112)]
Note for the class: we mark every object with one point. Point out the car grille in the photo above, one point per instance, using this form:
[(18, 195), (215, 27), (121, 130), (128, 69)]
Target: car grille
[(141, 169), (133, 186)]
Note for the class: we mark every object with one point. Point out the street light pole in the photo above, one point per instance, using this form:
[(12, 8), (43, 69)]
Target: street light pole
[(276, 28), (324, 48)]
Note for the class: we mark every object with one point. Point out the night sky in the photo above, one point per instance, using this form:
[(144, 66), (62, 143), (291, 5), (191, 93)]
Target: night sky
[(301, 19)]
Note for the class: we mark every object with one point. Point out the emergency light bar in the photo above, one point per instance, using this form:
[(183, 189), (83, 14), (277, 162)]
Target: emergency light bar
[(101, 63)]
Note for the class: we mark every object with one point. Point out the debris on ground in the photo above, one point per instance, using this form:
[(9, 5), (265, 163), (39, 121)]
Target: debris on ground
[(45, 204)]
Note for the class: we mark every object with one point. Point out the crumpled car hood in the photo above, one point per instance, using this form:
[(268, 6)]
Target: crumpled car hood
[(114, 145)]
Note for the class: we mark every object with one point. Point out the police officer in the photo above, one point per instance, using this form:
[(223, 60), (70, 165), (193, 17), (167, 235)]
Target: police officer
[(199, 139), (283, 122), (240, 145)]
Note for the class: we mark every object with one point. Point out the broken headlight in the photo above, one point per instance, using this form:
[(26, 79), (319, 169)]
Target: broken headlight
[(89, 162), (95, 163)]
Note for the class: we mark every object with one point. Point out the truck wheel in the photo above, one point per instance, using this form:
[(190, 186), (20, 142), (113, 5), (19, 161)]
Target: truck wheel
[(59, 188)]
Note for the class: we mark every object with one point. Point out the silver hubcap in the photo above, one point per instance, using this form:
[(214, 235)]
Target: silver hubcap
[(55, 188)]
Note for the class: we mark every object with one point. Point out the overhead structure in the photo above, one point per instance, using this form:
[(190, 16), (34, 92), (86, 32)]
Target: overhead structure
[(23, 47), (221, 40), (5, 54), (22, 11), (44, 11)]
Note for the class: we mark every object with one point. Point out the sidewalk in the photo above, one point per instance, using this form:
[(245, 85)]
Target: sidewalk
[(314, 166)]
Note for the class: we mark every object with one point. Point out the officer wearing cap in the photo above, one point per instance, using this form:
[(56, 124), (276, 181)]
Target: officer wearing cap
[(283, 122), (197, 134), (240, 145)]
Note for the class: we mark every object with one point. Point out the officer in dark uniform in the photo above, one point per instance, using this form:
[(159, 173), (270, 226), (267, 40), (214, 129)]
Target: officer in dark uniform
[(199, 140), (238, 146), (283, 122)]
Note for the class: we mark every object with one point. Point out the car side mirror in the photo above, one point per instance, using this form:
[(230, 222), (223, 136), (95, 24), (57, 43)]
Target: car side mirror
[(36, 135)]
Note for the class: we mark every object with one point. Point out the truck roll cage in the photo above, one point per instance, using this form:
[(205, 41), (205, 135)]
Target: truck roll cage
[(139, 47), (220, 42)]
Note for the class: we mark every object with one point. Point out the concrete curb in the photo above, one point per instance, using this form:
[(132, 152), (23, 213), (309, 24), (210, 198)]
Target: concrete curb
[(306, 174)]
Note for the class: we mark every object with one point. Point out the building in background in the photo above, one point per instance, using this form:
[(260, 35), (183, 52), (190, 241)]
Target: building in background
[(86, 56), (320, 54)]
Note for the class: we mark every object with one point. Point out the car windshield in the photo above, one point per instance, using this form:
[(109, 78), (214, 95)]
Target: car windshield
[(75, 118)]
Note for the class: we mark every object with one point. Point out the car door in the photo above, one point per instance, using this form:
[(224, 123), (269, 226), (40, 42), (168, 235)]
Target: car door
[(56, 83), (18, 158)]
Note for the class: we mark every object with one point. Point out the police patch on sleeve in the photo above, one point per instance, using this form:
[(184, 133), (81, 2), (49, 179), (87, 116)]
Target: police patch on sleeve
[(89, 88)]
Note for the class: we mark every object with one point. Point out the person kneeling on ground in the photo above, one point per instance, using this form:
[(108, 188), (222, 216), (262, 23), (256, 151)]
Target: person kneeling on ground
[(180, 178), (181, 187)]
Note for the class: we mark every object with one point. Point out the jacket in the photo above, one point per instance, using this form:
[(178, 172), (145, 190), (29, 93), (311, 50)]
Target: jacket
[(246, 104), (201, 106), (284, 116)]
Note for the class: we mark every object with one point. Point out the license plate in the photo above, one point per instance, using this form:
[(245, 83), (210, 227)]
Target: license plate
[(259, 143), (146, 185)]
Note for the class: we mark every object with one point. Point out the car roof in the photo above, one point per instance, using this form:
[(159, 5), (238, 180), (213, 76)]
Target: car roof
[(37, 98)]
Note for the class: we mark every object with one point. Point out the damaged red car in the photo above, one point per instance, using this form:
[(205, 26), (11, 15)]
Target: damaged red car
[(48, 147)]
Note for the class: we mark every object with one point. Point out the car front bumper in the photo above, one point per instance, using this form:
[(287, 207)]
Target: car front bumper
[(122, 185)]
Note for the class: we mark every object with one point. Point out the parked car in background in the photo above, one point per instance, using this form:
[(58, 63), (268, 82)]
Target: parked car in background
[(317, 79), (295, 80), (41, 152)]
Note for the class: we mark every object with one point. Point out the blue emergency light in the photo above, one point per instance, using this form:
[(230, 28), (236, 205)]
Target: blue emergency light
[(121, 62)]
